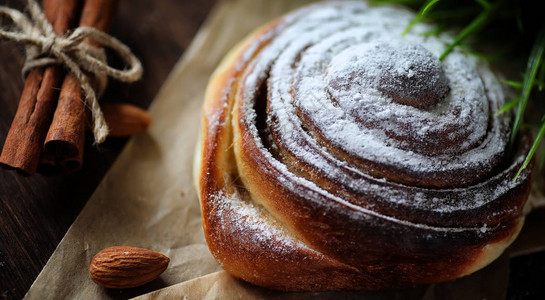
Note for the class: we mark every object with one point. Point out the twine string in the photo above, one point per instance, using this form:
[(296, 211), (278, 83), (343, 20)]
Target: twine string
[(44, 47)]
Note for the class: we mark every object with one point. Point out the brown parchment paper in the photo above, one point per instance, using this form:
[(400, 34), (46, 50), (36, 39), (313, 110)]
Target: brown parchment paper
[(147, 199)]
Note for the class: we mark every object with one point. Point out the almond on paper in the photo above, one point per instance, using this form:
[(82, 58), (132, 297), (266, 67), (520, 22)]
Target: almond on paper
[(126, 267)]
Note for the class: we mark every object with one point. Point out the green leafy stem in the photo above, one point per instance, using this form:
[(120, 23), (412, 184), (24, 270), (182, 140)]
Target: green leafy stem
[(533, 77)]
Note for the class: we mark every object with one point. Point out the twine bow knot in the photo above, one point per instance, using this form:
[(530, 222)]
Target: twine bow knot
[(44, 47)]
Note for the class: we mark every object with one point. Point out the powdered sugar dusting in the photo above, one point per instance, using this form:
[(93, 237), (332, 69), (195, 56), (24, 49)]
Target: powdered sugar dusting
[(323, 81), (239, 218), (363, 121)]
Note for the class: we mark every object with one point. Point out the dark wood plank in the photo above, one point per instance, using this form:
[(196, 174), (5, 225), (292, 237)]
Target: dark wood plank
[(35, 212)]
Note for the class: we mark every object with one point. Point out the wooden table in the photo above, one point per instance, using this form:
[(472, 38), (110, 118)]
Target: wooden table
[(35, 212)]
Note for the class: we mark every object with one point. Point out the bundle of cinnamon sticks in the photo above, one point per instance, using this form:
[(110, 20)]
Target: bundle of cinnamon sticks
[(48, 131)]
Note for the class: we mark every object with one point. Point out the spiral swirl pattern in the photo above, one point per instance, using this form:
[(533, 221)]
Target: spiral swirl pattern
[(360, 150)]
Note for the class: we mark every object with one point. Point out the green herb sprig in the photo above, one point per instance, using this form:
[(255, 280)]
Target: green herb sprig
[(513, 26), (535, 63)]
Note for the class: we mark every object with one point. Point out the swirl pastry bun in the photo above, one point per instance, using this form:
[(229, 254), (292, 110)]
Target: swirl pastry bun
[(336, 154)]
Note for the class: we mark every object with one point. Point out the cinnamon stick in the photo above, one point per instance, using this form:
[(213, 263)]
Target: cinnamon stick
[(65, 140), (23, 145)]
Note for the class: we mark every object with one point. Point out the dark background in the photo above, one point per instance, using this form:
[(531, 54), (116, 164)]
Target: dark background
[(35, 212)]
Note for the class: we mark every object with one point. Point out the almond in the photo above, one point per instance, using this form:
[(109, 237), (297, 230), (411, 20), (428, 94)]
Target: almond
[(126, 267), (125, 119)]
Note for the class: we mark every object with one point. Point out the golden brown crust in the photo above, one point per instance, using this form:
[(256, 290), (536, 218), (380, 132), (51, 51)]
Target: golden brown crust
[(291, 226)]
